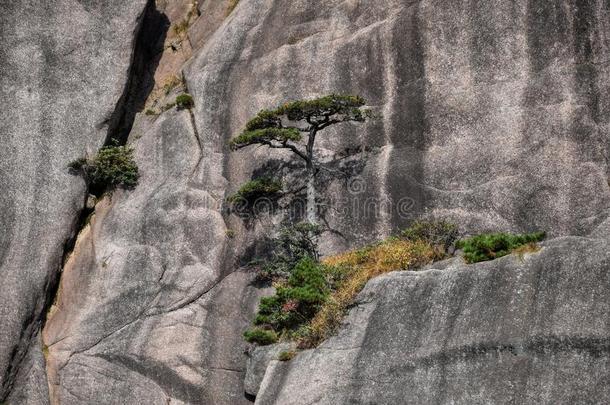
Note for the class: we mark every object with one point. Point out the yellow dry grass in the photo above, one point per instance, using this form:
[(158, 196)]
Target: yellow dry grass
[(531, 247), (231, 6), (355, 269)]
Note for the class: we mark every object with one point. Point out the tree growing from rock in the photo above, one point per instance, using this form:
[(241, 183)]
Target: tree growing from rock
[(294, 126)]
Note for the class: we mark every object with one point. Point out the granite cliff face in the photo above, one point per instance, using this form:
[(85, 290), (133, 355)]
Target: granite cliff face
[(494, 114), (63, 69)]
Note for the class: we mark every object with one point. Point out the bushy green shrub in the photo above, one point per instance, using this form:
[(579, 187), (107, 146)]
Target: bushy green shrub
[(113, 166), (491, 246), (296, 302), (264, 187), (185, 101), (293, 244), (436, 232), (260, 336)]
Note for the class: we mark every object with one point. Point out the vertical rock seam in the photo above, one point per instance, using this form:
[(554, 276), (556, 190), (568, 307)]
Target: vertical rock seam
[(150, 34)]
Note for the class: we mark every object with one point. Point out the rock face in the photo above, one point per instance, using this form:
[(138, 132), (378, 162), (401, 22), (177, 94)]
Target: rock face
[(527, 331), (63, 69), (495, 114)]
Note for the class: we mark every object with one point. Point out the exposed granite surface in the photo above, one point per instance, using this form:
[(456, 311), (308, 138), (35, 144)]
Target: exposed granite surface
[(63, 69), (528, 331), (495, 114)]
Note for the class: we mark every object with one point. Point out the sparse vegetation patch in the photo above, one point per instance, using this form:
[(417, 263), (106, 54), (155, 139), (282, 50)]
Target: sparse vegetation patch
[(312, 297), (491, 246)]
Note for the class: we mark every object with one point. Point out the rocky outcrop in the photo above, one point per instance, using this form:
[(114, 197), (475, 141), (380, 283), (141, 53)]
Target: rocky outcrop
[(63, 69), (530, 330)]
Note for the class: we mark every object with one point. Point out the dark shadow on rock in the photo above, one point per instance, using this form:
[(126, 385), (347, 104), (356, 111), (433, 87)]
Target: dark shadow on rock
[(150, 38)]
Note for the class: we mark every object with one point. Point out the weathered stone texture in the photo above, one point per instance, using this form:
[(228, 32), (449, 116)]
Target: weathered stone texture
[(63, 68), (526, 331), (495, 114)]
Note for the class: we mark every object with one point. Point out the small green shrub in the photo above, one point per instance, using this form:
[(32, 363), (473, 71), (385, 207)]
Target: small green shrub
[(263, 187), (185, 101), (494, 245), (286, 355), (293, 244), (298, 301), (435, 232), (113, 166), (150, 112), (260, 336)]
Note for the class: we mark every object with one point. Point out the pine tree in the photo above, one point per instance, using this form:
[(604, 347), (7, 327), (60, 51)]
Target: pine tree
[(295, 125)]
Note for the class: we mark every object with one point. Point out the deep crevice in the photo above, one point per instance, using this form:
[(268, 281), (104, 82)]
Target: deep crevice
[(150, 37), (150, 34)]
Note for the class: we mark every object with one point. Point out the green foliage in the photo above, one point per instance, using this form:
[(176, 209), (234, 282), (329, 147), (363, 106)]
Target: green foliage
[(150, 111), (436, 232), (113, 166), (297, 301), (325, 106), (77, 165), (185, 101), (261, 336), (265, 136), (293, 244), (286, 355), (257, 188), (494, 245), (267, 128), (312, 297)]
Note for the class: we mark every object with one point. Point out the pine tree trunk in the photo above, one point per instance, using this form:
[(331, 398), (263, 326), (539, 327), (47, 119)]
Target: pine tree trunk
[(311, 195)]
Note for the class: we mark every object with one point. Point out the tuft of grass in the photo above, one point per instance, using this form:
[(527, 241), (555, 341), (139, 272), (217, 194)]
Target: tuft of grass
[(491, 246), (150, 111), (185, 101), (171, 83), (260, 336), (231, 6), (287, 355), (531, 247), (168, 106), (181, 27)]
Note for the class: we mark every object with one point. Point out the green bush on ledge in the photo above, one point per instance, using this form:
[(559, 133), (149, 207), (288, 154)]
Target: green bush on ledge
[(491, 246), (260, 336), (263, 187), (185, 101), (113, 166)]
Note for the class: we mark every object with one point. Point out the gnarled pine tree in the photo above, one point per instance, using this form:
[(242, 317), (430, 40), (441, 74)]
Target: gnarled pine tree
[(295, 125)]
